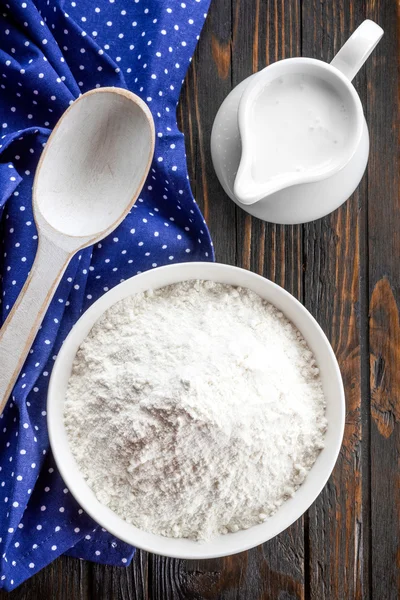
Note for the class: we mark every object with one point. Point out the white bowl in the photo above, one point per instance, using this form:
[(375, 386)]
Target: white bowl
[(232, 542)]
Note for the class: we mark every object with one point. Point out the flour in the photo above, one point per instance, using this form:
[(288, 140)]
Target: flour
[(194, 410)]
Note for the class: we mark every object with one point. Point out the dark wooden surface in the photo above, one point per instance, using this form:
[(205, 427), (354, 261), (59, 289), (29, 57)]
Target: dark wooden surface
[(346, 270)]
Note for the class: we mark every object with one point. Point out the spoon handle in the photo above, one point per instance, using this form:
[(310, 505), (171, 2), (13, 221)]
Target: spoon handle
[(23, 322)]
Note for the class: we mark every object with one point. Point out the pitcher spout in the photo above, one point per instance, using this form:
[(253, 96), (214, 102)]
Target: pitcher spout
[(244, 192), (247, 191)]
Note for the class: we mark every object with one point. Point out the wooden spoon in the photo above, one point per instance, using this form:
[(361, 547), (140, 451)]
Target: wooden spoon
[(89, 175)]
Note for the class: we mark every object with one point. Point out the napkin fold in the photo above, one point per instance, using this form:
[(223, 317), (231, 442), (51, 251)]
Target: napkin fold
[(50, 52)]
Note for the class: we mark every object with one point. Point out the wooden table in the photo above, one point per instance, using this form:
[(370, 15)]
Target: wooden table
[(345, 268)]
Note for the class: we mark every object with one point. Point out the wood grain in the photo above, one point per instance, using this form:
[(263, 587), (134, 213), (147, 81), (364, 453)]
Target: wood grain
[(337, 534), (207, 84), (345, 269), (384, 292)]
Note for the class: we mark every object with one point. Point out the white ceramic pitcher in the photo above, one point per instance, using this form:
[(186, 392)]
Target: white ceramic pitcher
[(297, 197)]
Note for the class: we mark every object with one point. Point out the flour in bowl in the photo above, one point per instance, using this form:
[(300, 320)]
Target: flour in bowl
[(194, 410)]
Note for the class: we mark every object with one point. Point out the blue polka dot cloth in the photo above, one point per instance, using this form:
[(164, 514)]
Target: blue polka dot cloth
[(50, 52)]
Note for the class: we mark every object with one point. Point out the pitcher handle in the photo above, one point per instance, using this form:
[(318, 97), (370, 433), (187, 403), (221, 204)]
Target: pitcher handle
[(357, 49)]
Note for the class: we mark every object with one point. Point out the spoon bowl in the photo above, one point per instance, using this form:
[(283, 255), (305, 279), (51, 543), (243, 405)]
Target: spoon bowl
[(90, 173), (90, 169)]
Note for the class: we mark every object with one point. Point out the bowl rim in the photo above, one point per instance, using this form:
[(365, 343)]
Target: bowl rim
[(130, 534)]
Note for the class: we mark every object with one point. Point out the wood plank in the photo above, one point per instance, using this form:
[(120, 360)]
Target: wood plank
[(120, 583), (263, 33), (384, 288), (338, 522), (257, 574), (207, 84)]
